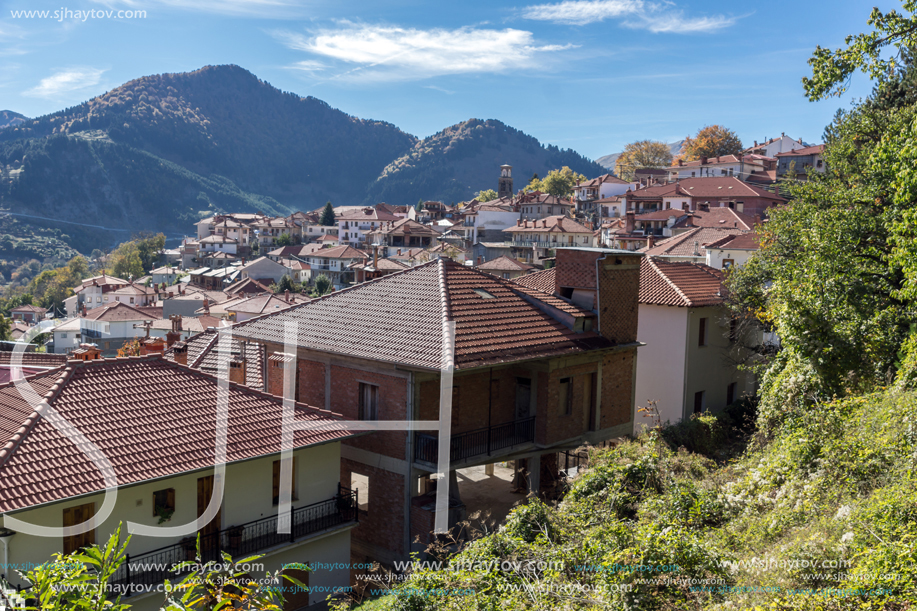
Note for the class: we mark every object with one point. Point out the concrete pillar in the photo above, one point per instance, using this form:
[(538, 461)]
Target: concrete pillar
[(534, 473), (489, 470)]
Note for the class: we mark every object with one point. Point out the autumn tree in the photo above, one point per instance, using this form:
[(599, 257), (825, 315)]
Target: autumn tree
[(125, 261), (642, 154), (558, 183), (486, 195), (711, 141)]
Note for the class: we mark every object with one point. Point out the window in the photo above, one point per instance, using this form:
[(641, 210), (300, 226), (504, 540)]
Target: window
[(275, 489), (359, 483), (731, 394), (164, 503), (63, 336), (565, 396), (132, 300), (523, 397), (74, 516), (727, 263), (105, 298), (368, 402), (98, 299), (818, 163), (699, 401), (692, 174), (733, 330), (702, 332)]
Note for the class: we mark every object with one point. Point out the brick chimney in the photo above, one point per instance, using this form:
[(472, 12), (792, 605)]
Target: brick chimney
[(681, 162), (206, 306), (86, 352), (629, 221), (175, 334), (703, 161), (286, 295), (689, 220), (650, 241), (237, 370), (180, 352), (83, 309)]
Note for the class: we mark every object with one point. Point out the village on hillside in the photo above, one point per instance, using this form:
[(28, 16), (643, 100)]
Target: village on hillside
[(571, 314)]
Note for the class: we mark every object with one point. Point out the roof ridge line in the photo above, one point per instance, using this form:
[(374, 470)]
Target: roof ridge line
[(28, 425), (668, 281), (205, 351), (446, 307)]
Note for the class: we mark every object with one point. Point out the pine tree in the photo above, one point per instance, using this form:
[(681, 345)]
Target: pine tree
[(327, 218)]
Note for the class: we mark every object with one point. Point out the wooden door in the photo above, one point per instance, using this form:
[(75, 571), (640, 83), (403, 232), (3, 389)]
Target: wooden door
[(74, 516), (210, 532)]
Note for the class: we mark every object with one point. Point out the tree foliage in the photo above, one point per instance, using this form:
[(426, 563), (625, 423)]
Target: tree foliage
[(711, 141), (835, 277), (486, 195), (832, 70), (135, 258), (642, 154), (284, 239), (327, 218), (5, 328), (322, 285), (558, 183)]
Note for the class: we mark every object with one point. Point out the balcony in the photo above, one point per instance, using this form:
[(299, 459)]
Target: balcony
[(241, 541), (477, 443)]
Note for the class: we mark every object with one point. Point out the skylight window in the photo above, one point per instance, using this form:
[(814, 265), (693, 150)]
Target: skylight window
[(484, 294)]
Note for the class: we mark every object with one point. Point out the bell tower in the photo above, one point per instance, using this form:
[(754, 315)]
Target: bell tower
[(505, 188)]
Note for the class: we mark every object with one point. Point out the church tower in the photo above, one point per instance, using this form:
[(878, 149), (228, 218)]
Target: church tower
[(505, 188)]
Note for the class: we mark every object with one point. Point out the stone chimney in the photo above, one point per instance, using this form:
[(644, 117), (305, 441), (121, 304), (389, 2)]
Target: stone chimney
[(180, 352), (237, 370), (629, 221)]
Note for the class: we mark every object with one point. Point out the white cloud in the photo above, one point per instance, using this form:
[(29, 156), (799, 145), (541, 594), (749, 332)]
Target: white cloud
[(440, 89), (581, 12), (637, 14), (66, 81), (396, 53)]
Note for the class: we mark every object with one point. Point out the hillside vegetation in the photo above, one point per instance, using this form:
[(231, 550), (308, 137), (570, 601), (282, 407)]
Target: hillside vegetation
[(819, 517), (456, 162)]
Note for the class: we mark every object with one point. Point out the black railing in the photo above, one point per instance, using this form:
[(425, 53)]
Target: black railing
[(239, 541), (476, 443)]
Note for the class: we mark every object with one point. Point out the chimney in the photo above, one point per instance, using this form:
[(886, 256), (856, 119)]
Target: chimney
[(286, 295), (87, 352), (83, 309), (180, 352), (756, 143), (175, 334), (703, 161), (681, 162), (237, 370), (206, 306), (375, 256), (480, 260), (629, 221), (689, 220), (650, 241), (783, 134)]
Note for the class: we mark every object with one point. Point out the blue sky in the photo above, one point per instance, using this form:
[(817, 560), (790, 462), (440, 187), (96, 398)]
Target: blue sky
[(591, 75)]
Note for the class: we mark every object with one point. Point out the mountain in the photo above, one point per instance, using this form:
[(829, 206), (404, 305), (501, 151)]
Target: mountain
[(8, 118), (162, 151), (608, 161), (460, 160)]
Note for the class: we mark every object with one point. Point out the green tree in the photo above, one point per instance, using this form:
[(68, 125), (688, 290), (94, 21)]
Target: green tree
[(558, 183), (487, 195), (835, 277), (79, 267), (149, 247), (711, 141), (322, 285), (284, 239), (327, 218), (126, 261), (642, 154), (5, 329)]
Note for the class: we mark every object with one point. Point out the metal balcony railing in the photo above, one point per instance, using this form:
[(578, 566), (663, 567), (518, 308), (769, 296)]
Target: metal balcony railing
[(479, 442), (240, 541)]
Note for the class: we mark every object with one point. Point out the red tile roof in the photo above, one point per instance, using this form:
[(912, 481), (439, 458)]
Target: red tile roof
[(29, 308), (151, 418), (204, 354), (367, 214), (682, 245), (717, 216), (744, 241), (705, 186), (504, 264), (117, 311), (262, 304), (542, 281), (688, 285), (340, 252), (246, 285), (552, 224), (399, 318), (818, 149)]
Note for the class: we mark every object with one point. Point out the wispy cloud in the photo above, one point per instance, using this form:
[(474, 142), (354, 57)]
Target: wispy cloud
[(66, 81), (440, 89), (389, 53), (638, 14)]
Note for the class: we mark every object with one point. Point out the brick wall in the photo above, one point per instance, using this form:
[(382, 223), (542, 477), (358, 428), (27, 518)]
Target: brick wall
[(311, 383), (558, 424), (619, 285), (392, 397), (575, 269), (383, 524), (617, 388)]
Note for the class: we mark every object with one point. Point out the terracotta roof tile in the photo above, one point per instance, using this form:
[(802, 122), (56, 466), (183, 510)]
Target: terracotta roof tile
[(682, 245), (679, 284), (504, 264), (542, 281)]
